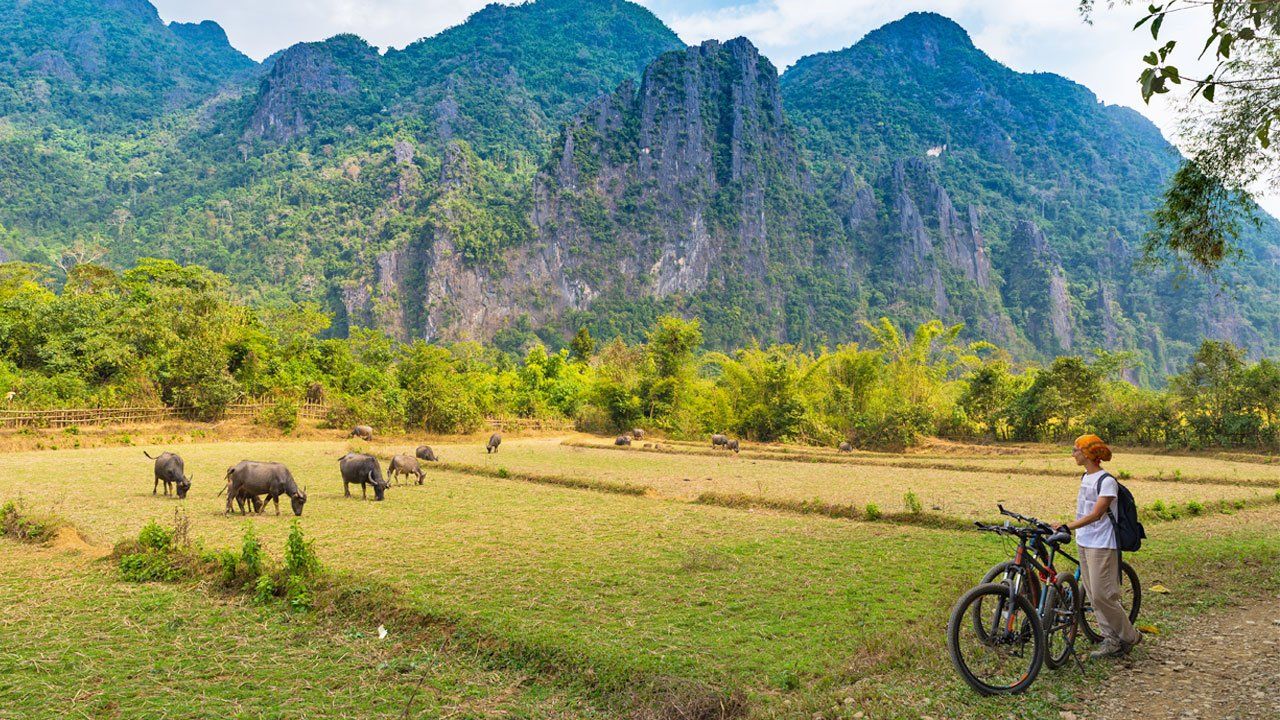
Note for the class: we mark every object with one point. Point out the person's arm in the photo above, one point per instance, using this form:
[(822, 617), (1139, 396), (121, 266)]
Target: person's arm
[(1099, 510)]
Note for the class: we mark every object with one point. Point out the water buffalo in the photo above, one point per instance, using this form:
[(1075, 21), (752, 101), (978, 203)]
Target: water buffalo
[(719, 441), (622, 440), (404, 465), (169, 470), (732, 445), (264, 478), (846, 447), (494, 441), (364, 432), (363, 470), (424, 452), (637, 433)]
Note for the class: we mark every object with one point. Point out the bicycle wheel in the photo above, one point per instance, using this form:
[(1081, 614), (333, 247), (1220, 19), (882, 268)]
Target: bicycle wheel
[(1130, 598), (1006, 657), (998, 574), (1061, 621)]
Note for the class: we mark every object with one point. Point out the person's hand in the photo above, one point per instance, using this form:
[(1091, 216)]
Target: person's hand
[(1064, 529)]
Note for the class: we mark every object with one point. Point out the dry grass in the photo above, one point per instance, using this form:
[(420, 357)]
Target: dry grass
[(965, 495), (793, 612)]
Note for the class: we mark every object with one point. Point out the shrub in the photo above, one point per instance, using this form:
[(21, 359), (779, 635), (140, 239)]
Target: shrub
[(251, 553), (282, 415), (151, 565), (1195, 507), (297, 594), (299, 556), (913, 503), (1278, 496), (227, 560), (154, 537), (1124, 475), (872, 512), (20, 526), (264, 590), (502, 473)]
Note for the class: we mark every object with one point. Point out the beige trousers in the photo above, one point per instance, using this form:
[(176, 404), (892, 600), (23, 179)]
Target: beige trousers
[(1100, 570)]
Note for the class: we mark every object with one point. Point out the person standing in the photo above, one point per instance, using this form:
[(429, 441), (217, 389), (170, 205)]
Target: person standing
[(1099, 554)]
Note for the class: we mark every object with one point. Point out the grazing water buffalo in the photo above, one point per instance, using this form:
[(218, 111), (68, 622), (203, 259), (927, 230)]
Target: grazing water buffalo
[(732, 445), (622, 440), (719, 441), (637, 433), (363, 470), (169, 470), (364, 432), (494, 441), (249, 478), (424, 452), (846, 447), (404, 465)]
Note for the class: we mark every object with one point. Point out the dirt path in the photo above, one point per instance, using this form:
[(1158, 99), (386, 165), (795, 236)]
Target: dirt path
[(1224, 667)]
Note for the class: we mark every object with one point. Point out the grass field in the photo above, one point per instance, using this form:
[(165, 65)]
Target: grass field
[(800, 613), (965, 495)]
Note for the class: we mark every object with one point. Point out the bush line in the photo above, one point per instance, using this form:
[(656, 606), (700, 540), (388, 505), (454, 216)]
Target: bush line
[(18, 524)]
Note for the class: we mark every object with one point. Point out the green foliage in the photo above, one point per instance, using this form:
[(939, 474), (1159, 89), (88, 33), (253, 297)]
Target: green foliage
[(282, 415), (16, 523), (264, 590), (152, 565), (872, 512), (153, 536), (299, 554), (298, 593), (251, 552), (912, 503)]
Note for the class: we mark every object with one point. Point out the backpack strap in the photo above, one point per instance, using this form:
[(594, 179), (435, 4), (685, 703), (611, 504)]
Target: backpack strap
[(1115, 524)]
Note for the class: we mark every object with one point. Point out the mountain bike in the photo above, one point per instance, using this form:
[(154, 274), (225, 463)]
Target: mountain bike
[(1130, 586), (1000, 634)]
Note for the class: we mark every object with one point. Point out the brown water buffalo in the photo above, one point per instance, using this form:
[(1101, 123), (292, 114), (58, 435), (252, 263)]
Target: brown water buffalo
[(846, 446), (169, 470), (424, 452), (494, 441), (732, 445), (637, 433), (718, 440), (363, 470), (264, 478), (364, 432), (622, 440), (404, 465)]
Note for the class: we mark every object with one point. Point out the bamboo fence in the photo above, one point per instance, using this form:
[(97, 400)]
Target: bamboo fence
[(138, 415)]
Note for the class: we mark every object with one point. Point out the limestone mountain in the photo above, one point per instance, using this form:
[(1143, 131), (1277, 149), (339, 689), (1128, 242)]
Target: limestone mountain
[(104, 63), (562, 163)]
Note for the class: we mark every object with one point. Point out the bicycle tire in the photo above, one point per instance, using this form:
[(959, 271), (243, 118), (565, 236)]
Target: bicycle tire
[(1060, 621), (1024, 616), (1128, 578)]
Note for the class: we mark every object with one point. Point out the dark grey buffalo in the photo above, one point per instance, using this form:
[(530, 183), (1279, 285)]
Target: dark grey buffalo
[(169, 471), (424, 452), (622, 440), (249, 478), (732, 445), (362, 470), (637, 433), (846, 446), (494, 441), (404, 465), (719, 441), (364, 432)]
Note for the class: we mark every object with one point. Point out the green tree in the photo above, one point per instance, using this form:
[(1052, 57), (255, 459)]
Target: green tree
[(583, 345)]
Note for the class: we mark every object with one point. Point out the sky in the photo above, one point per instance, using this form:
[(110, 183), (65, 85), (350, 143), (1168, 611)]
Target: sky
[(1026, 35)]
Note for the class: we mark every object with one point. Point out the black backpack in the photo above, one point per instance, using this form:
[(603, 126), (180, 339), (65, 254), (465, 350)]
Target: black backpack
[(1124, 518)]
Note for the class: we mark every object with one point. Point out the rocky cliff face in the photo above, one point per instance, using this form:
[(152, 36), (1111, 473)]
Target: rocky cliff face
[(329, 78)]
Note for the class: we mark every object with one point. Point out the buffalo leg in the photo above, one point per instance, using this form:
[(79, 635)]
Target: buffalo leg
[(155, 485), (346, 490)]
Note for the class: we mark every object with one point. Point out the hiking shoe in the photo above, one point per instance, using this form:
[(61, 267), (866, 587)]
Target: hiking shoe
[(1128, 647), (1108, 649)]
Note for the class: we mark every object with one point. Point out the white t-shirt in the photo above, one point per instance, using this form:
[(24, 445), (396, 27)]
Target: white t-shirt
[(1099, 533)]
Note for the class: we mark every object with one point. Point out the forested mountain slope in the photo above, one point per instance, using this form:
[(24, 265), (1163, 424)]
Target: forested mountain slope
[(568, 162)]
